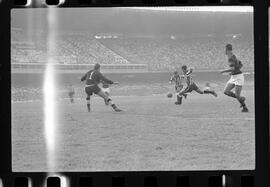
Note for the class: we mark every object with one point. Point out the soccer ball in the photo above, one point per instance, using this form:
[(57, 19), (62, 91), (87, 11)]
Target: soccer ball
[(169, 95)]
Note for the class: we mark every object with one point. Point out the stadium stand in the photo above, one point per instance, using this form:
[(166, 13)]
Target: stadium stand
[(159, 53)]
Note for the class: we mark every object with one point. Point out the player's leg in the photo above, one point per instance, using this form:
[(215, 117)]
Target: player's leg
[(106, 91), (88, 102), (89, 92), (228, 90), (180, 95), (241, 99), (109, 100)]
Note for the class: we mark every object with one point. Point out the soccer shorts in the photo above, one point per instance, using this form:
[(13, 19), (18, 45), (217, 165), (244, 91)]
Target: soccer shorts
[(237, 79), (191, 87), (90, 89)]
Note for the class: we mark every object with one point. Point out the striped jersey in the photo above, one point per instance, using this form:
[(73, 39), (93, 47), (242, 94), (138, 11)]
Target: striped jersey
[(188, 78), (177, 79)]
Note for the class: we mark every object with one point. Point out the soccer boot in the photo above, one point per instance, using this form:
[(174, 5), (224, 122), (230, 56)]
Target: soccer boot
[(245, 109), (116, 109), (242, 101)]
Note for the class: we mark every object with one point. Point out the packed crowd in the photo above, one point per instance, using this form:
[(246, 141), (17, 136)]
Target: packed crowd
[(160, 54), (167, 54)]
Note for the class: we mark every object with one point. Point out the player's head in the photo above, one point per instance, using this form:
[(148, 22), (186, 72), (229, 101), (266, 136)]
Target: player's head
[(228, 49), (97, 66), (184, 68)]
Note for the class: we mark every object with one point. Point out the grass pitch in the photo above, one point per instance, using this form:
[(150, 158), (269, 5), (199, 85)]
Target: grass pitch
[(204, 133)]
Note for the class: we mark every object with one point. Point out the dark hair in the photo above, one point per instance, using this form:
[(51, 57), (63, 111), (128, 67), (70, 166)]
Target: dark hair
[(175, 72), (184, 67), (96, 66), (229, 47)]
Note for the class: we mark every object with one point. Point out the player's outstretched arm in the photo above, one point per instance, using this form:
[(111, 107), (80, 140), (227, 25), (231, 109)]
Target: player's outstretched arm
[(104, 79), (225, 71)]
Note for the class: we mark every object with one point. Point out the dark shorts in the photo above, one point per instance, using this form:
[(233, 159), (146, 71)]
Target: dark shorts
[(191, 87), (92, 89)]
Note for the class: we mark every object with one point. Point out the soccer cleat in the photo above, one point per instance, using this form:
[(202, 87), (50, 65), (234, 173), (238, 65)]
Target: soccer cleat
[(117, 109), (214, 93), (242, 101), (177, 103), (245, 109)]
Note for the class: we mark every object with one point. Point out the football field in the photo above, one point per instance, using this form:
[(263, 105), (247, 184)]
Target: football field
[(152, 133)]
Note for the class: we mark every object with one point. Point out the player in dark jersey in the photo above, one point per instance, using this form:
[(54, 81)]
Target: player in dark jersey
[(93, 78), (237, 78), (191, 86), (178, 81), (71, 93)]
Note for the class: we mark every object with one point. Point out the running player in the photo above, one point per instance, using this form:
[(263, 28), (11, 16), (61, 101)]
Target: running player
[(178, 81), (237, 78), (191, 86), (71, 93), (93, 78)]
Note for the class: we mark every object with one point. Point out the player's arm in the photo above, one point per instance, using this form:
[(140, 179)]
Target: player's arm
[(226, 70), (190, 71), (104, 79), (83, 78)]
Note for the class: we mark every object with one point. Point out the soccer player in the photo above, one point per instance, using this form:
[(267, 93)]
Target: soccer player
[(178, 81), (191, 86), (71, 93), (237, 78), (93, 78)]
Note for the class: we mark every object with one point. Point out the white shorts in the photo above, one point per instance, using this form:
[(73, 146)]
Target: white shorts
[(237, 79), (106, 90)]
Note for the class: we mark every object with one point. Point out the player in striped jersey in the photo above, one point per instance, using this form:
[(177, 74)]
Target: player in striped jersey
[(191, 86), (178, 81), (237, 78)]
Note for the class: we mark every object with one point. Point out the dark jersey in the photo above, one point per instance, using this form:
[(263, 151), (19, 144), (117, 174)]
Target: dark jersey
[(94, 77), (235, 64)]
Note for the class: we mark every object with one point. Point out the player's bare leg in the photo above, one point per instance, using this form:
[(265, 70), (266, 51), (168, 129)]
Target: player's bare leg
[(240, 98), (88, 102), (228, 90), (104, 96), (105, 100)]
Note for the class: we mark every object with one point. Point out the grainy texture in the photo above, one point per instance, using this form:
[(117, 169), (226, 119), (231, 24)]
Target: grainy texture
[(204, 133)]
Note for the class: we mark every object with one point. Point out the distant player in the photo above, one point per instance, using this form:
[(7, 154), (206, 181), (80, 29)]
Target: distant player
[(237, 78), (71, 93), (178, 81), (93, 78), (191, 86)]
